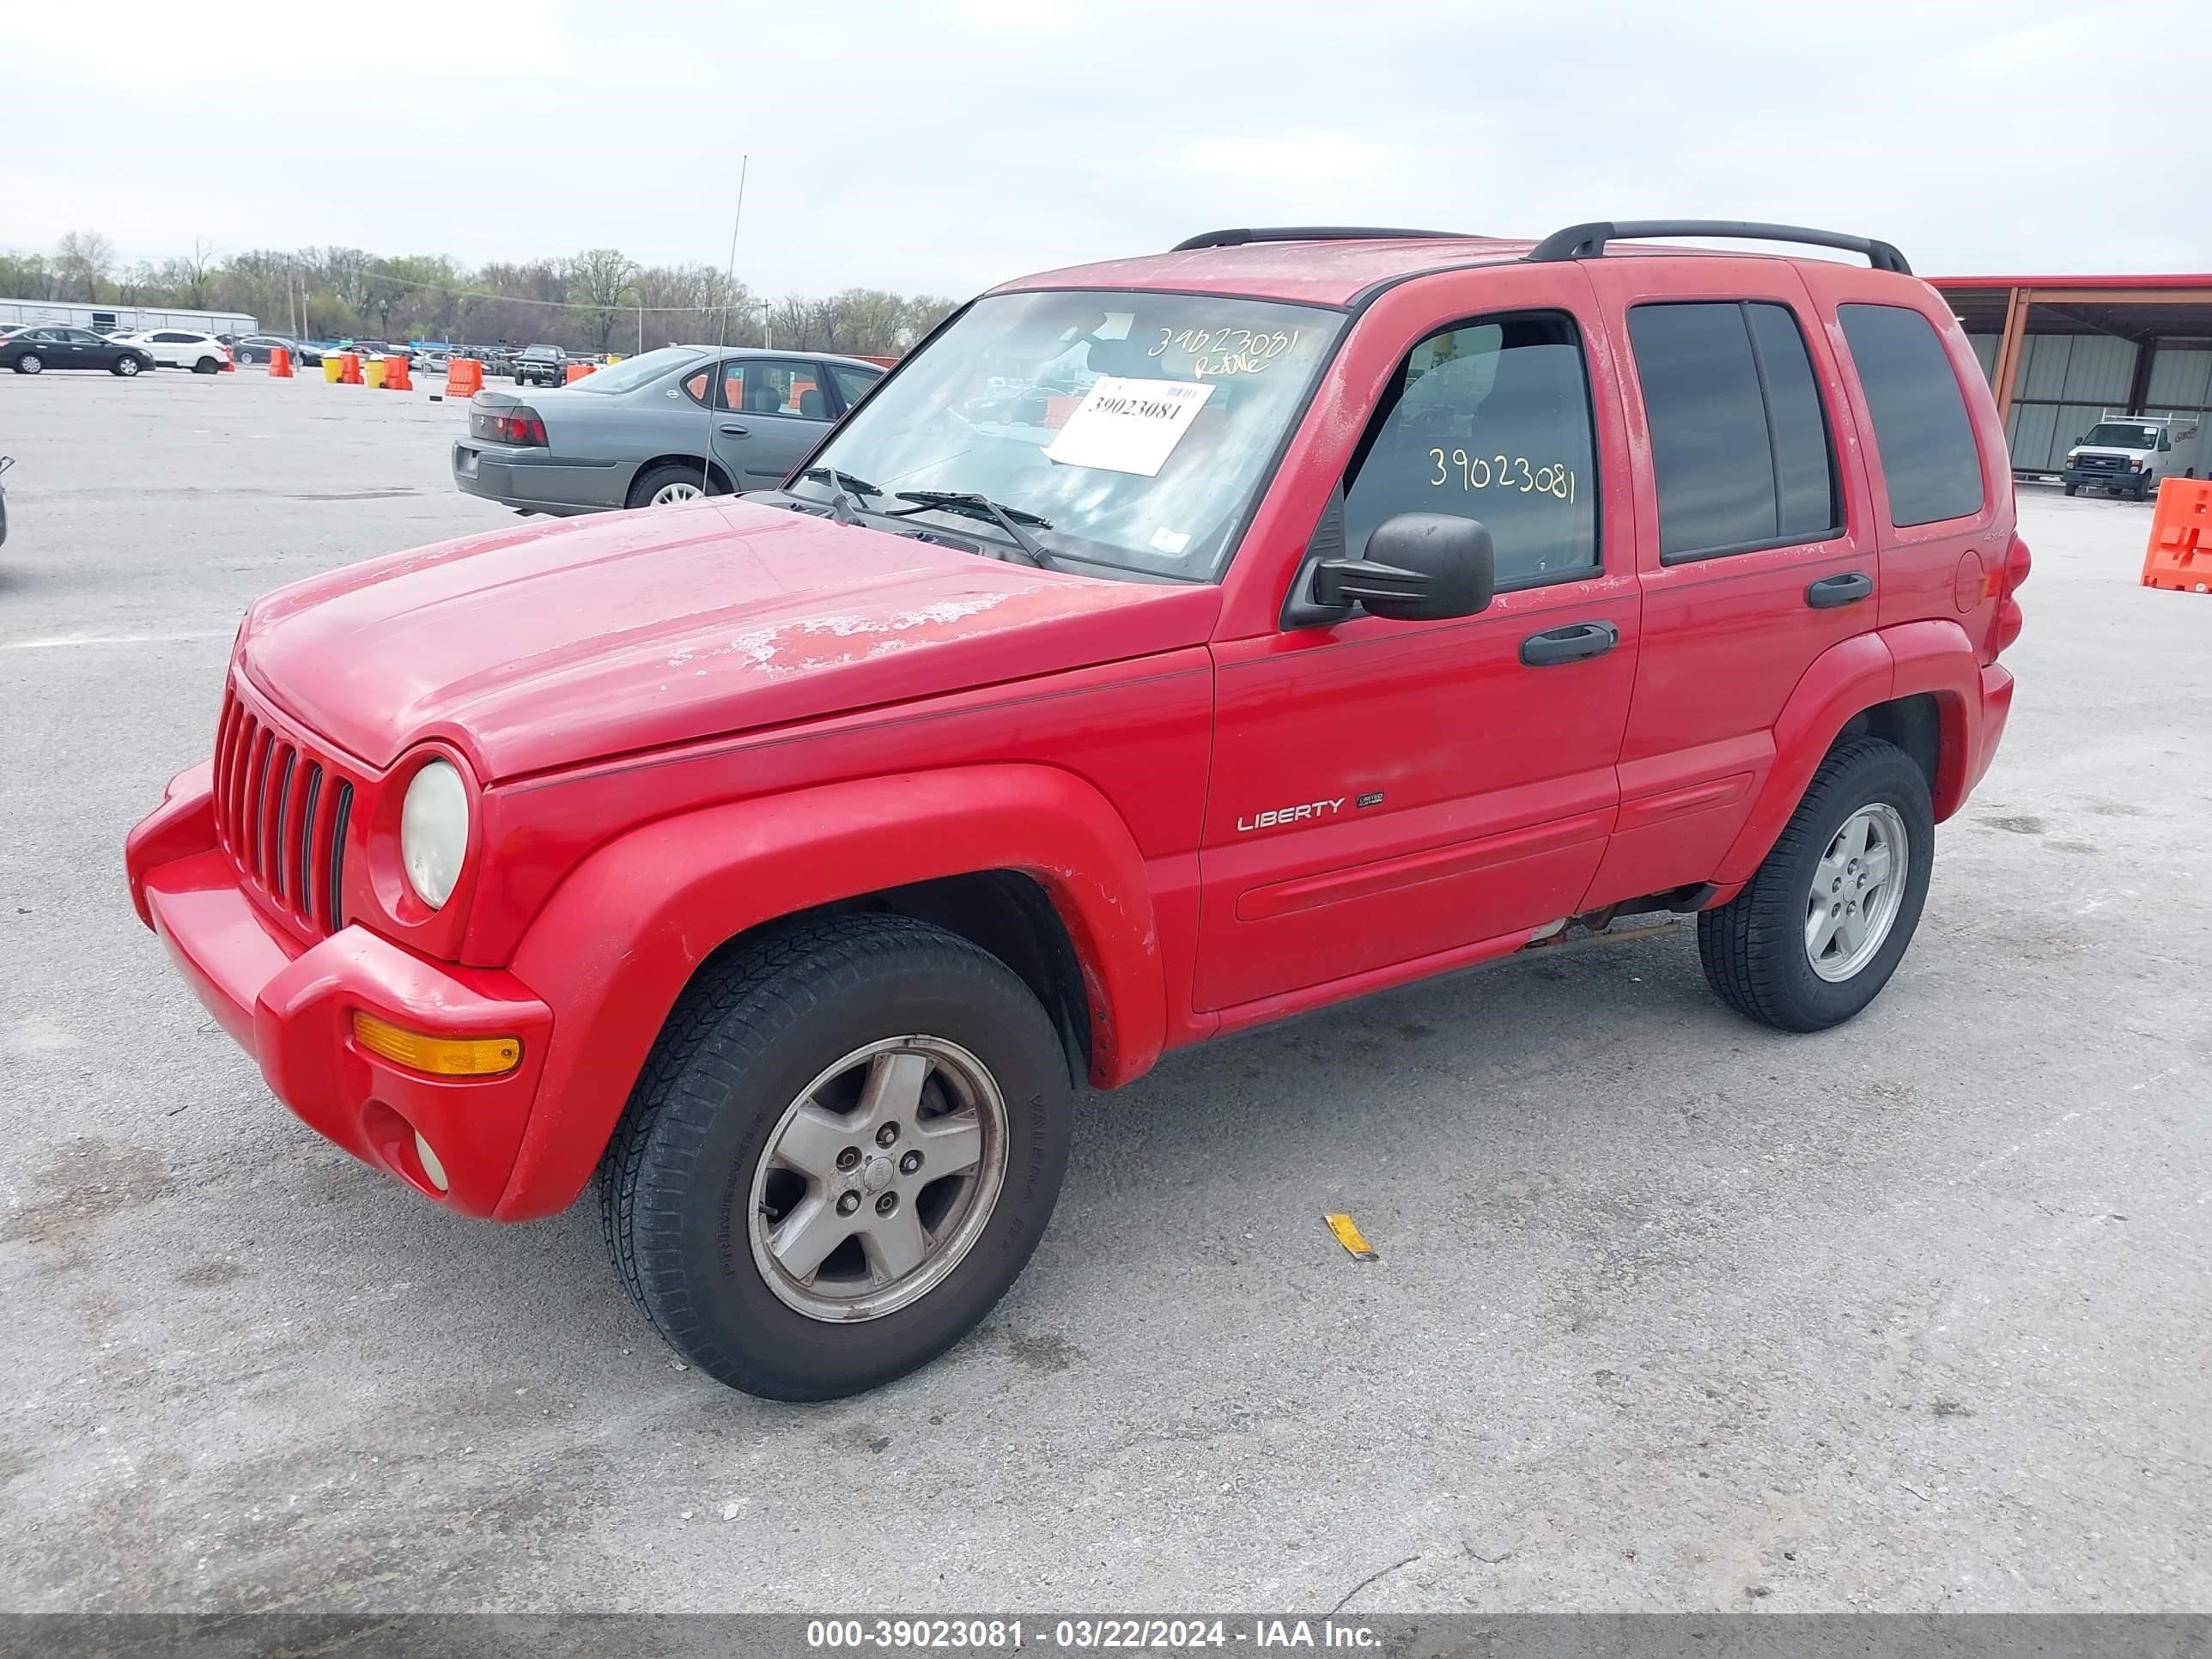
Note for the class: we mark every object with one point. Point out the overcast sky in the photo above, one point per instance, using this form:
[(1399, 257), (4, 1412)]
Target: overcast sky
[(945, 144)]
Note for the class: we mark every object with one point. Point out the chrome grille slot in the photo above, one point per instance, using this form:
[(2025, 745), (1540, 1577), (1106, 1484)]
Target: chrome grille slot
[(334, 902), (281, 811), (301, 846)]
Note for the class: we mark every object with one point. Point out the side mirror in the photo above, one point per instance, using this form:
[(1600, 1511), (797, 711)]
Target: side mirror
[(1419, 566)]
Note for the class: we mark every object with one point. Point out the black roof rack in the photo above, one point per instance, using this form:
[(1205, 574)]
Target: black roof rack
[(1588, 241), (1312, 233)]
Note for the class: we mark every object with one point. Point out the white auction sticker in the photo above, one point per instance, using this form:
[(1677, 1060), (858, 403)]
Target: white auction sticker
[(1129, 426)]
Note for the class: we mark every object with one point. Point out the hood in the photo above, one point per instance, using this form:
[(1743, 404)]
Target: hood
[(547, 644)]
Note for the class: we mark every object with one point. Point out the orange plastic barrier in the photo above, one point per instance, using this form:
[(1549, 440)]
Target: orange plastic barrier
[(395, 374), (577, 371), (463, 378), (2179, 556), (349, 368), (280, 364)]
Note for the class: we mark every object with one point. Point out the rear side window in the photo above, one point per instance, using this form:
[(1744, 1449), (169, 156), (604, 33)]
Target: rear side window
[(1738, 435), (1490, 420), (853, 384), (1920, 423)]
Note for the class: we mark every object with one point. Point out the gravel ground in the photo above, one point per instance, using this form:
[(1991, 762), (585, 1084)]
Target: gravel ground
[(1672, 1312)]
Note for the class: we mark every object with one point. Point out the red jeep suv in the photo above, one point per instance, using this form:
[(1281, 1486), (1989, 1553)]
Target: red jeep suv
[(1165, 647)]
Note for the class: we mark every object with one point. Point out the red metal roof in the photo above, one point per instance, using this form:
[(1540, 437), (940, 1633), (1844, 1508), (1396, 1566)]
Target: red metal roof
[(2138, 279)]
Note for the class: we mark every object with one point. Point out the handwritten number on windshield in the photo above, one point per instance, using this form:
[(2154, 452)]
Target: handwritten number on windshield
[(1220, 352)]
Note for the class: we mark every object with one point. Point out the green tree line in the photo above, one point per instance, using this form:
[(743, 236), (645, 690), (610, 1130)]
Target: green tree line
[(598, 299)]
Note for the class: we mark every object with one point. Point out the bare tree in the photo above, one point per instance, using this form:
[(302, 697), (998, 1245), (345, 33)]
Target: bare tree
[(83, 260), (600, 279)]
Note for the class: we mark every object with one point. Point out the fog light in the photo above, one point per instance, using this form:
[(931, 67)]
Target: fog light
[(440, 1056), (431, 1168)]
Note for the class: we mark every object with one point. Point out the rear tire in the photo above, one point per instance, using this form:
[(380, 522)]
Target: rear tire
[(667, 486), (207, 366), (30, 363), (1765, 952), (734, 1135)]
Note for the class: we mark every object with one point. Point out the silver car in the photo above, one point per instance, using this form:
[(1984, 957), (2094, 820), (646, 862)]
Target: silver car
[(681, 421)]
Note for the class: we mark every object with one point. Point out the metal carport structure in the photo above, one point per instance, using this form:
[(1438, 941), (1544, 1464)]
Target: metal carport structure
[(2060, 350)]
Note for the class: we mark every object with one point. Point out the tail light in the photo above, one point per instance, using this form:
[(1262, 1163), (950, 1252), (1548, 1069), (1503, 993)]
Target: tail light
[(517, 423), (2007, 580)]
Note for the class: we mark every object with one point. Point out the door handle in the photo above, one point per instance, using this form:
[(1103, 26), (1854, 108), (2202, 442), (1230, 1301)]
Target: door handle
[(1575, 642), (1830, 591), (731, 429)]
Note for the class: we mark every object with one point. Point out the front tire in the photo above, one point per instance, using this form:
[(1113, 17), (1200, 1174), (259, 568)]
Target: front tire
[(2073, 490), (126, 367), (844, 1147), (1817, 931)]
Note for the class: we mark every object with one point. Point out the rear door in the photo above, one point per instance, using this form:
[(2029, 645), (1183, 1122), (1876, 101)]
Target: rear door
[(1942, 493), (769, 411), (1756, 548)]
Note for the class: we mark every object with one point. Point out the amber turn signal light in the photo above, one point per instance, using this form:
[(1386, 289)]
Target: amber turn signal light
[(440, 1056)]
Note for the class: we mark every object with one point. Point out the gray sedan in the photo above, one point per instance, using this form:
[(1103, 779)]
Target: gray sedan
[(681, 421)]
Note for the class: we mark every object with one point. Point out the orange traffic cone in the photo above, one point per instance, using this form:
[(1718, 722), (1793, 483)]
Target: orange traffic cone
[(280, 364)]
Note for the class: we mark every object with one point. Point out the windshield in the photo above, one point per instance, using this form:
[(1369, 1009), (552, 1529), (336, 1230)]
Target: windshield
[(1136, 427), (542, 351), (2111, 436), (633, 372)]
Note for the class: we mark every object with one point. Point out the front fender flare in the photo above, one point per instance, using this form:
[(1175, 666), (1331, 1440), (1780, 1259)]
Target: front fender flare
[(623, 935)]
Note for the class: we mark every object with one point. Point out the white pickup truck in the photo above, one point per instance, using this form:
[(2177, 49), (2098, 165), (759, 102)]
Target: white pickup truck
[(2132, 454)]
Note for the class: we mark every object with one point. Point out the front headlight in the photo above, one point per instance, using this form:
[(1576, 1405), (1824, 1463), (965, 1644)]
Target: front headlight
[(2072, 456), (433, 831)]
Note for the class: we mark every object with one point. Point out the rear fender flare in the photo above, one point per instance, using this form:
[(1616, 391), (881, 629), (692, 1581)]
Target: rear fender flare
[(623, 935), (1937, 659), (1850, 675)]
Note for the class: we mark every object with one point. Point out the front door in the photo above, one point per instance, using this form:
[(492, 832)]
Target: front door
[(1387, 792), (769, 411)]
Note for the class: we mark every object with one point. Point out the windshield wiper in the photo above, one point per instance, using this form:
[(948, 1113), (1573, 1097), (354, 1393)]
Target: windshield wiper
[(837, 480), (1008, 519), (843, 486)]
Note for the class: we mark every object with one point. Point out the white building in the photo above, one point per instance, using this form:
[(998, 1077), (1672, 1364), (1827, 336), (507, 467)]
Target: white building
[(75, 315)]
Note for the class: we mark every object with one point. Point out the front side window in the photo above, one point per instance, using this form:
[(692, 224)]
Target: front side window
[(1921, 428), (1740, 448), (1488, 420), (1138, 427)]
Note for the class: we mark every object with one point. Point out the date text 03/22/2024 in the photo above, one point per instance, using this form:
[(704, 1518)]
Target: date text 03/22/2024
[(1085, 1635)]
